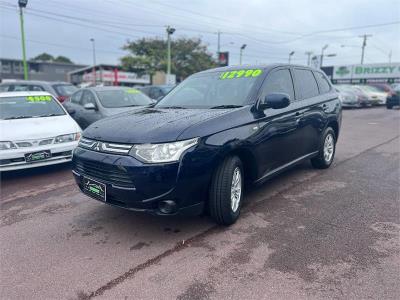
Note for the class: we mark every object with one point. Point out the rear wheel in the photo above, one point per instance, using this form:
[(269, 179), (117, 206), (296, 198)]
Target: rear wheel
[(327, 149), (226, 191), (389, 106)]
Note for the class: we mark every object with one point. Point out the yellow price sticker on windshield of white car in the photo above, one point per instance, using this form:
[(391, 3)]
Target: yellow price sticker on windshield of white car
[(38, 98), (240, 74), (133, 91)]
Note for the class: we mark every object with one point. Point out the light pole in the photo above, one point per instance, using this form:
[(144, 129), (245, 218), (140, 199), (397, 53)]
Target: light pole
[(170, 31), (322, 54), (22, 4), (290, 56), (94, 60), (364, 36), (308, 53), (241, 53)]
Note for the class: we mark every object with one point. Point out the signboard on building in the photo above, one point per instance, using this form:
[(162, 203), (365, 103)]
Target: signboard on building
[(122, 77), (385, 72)]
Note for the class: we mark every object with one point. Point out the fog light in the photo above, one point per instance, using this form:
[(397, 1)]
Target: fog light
[(167, 206)]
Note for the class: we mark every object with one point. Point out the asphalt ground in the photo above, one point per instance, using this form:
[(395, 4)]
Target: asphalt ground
[(306, 234)]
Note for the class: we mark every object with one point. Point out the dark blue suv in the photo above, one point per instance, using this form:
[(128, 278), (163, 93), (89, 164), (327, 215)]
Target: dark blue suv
[(193, 151)]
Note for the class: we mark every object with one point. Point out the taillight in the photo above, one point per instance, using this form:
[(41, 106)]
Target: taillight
[(62, 98)]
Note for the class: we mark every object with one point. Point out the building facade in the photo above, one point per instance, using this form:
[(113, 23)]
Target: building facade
[(107, 75), (37, 70)]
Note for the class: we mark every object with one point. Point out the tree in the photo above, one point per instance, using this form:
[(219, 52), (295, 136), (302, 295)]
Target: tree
[(188, 56), (63, 59), (44, 57), (50, 58)]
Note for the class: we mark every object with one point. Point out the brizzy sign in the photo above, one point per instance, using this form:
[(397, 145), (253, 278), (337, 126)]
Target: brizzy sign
[(367, 71)]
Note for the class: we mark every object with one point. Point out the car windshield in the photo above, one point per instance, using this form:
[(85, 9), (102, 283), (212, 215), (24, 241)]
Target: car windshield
[(214, 89), (123, 98), (65, 89), (29, 107)]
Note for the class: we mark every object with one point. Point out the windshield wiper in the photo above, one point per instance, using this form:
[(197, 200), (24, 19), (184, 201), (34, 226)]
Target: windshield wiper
[(177, 107), (18, 117), (226, 106)]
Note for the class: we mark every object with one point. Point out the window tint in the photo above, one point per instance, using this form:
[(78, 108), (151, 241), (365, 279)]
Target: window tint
[(305, 84), (88, 97), (76, 98), (323, 83), (278, 82)]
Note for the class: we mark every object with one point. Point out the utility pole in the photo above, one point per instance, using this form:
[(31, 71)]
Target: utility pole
[(308, 53), (94, 60), (241, 53), (22, 4), (290, 56), (322, 55), (219, 43), (170, 31), (364, 36)]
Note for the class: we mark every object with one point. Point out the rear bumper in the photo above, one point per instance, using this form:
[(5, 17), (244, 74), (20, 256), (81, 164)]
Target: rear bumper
[(135, 186)]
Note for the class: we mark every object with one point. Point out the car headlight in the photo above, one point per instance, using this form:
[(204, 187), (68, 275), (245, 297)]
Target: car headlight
[(160, 153), (65, 138), (7, 145)]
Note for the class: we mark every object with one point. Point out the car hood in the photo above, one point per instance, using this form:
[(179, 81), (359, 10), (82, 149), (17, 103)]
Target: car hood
[(37, 128), (149, 125)]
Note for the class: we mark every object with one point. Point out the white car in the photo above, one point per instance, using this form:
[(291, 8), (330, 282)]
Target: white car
[(376, 96), (35, 130)]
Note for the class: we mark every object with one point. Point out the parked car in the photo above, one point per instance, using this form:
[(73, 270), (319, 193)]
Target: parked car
[(156, 92), (376, 96), (35, 131), (351, 96), (394, 98), (217, 129), (61, 90), (383, 87), (92, 104)]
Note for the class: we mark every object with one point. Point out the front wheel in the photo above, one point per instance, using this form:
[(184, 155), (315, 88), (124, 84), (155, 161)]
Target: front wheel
[(226, 191), (327, 150)]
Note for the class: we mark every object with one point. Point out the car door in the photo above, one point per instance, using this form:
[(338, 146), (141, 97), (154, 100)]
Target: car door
[(278, 136), (89, 116), (312, 118), (74, 106)]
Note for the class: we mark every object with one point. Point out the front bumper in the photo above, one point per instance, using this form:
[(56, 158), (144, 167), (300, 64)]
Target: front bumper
[(133, 185), (14, 159)]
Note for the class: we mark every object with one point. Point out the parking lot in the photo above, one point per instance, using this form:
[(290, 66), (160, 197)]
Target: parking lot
[(305, 234)]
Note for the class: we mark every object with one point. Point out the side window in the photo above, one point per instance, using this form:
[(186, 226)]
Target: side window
[(36, 88), (4, 88), (156, 93), (305, 84), (279, 82), (88, 97), (323, 83), (76, 98)]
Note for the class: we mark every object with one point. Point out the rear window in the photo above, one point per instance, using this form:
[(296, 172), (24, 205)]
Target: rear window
[(305, 84), (25, 87), (29, 107), (324, 86), (65, 89)]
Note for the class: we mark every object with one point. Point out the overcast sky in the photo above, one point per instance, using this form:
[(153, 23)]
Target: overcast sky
[(270, 28)]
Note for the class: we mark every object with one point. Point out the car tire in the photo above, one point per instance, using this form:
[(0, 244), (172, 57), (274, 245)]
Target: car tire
[(326, 151), (226, 191), (388, 106)]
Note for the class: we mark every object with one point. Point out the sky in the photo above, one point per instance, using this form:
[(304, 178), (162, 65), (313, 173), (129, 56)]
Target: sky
[(270, 29)]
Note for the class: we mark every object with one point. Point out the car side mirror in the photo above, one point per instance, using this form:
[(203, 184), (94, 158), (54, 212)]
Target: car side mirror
[(89, 106), (274, 101)]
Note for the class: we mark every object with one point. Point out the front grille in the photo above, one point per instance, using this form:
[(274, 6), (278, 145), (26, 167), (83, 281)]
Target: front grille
[(107, 173)]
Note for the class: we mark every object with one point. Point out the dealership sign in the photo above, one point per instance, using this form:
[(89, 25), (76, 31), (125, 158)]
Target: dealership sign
[(369, 71)]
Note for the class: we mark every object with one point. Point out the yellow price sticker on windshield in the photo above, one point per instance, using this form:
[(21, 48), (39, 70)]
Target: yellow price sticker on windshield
[(240, 74), (38, 98), (133, 91)]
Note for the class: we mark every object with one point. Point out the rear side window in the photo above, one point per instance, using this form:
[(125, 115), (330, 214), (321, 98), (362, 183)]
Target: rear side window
[(278, 82), (4, 88), (305, 84), (65, 89), (76, 98), (324, 86)]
